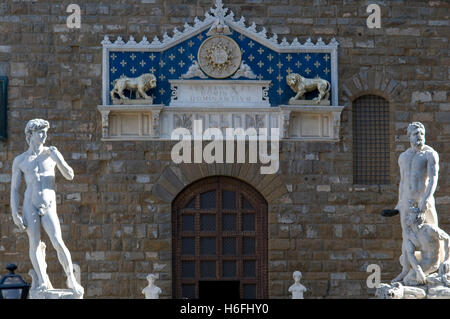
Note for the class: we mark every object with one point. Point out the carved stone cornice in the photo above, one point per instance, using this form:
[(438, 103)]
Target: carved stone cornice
[(305, 123)]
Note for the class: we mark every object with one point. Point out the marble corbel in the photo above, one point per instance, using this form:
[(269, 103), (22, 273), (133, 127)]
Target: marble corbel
[(156, 122), (105, 122), (336, 124), (285, 117)]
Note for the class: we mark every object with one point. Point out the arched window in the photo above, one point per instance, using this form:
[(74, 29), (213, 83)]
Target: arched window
[(371, 139), (219, 240)]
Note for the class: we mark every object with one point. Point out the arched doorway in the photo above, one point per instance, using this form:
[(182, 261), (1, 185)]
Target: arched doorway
[(219, 240)]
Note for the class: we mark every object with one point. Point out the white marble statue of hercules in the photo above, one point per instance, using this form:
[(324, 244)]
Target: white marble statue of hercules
[(419, 168), (37, 165)]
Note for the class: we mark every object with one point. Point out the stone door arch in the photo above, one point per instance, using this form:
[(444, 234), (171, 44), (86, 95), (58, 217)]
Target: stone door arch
[(219, 234)]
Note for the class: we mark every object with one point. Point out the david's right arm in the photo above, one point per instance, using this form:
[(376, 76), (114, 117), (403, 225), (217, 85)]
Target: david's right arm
[(14, 202)]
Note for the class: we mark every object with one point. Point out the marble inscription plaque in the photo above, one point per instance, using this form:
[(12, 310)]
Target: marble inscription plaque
[(246, 93)]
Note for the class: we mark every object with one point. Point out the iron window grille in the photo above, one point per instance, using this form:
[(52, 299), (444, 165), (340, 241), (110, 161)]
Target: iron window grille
[(371, 146)]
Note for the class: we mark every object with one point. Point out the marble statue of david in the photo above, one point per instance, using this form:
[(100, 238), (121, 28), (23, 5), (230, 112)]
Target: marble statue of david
[(37, 165)]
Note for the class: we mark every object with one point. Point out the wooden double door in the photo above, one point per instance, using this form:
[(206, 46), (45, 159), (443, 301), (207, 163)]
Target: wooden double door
[(219, 240)]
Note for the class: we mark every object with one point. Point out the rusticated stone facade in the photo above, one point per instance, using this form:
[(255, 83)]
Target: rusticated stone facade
[(116, 213)]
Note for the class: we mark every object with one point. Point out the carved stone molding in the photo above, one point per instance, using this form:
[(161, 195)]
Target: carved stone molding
[(130, 122), (175, 178), (141, 122), (311, 123), (375, 81)]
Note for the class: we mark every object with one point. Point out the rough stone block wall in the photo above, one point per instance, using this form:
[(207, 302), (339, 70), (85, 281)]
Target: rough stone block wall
[(115, 227)]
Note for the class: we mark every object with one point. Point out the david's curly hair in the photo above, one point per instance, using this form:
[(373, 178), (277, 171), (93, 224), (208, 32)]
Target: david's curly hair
[(35, 125)]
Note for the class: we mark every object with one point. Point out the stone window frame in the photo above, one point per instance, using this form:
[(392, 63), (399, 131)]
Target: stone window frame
[(375, 81), (3, 107)]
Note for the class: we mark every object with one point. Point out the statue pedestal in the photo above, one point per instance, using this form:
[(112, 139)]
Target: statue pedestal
[(132, 101), (398, 291), (438, 292), (309, 102), (54, 294)]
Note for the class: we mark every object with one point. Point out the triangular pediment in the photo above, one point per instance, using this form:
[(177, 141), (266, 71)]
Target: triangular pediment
[(240, 25), (263, 57)]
